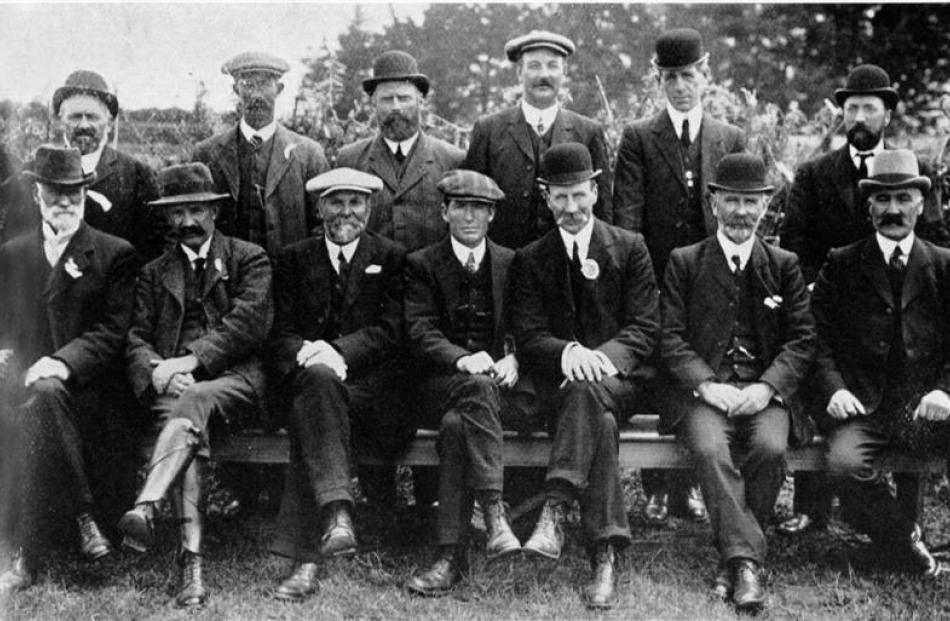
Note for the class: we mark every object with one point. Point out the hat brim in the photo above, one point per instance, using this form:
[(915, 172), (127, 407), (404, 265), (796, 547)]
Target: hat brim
[(421, 82), (86, 179), (514, 55), (194, 197), (570, 179), (921, 182), (889, 95), (65, 92), (343, 188), (660, 67), (490, 202), (749, 189)]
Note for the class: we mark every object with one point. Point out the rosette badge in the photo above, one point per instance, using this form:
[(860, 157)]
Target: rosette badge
[(590, 269)]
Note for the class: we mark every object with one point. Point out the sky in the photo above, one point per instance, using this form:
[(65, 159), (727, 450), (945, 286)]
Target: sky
[(157, 55)]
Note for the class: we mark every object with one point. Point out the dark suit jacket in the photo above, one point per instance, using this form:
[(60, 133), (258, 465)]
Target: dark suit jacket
[(372, 305), (501, 148), (407, 210), (699, 309), (87, 315), (621, 308), (237, 304), (650, 193), (853, 308), (432, 294), (824, 211), (291, 215)]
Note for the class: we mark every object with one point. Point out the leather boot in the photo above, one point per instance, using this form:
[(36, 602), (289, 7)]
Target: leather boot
[(92, 543), (548, 537), (442, 577), (136, 527), (722, 583), (922, 557), (20, 575), (601, 592), (300, 585), (189, 508), (500, 541), (338, 539), (695, 504), (749, 581), (657, 508), (192, 592)]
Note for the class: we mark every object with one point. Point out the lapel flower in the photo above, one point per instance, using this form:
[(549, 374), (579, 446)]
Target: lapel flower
[(219, 266), (773, 301), (590, 269), (71, 268), (289, 149), (373, 269), (100, 198)]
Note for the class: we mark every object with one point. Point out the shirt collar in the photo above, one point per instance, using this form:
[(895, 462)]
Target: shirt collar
[(534, 115), (265, 132), (731, 249), (405, 144), (462, 251), (694, 115), (333, 249), (582, 238), (875, 151), (887, 246), (202, 253), (90, 161)]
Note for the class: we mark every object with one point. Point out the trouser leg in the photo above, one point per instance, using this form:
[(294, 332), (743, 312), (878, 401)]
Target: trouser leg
[(190, 505), (455, 495), (174, 452), (765, 439)]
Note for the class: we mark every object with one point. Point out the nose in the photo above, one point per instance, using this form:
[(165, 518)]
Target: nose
[(859, 116), (84, 121)]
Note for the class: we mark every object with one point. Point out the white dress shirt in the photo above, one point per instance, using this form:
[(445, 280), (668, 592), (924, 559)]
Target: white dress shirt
[(582, 238), (536, 116), (406, 144), (265, 132), (201, 254), (462, 251), (333, 249), (695, 117), (731, 249), (878, 148), (91, 160), (887, 247)]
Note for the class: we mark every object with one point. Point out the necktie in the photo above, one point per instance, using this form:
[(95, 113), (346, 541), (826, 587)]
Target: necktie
[(736, 266), (684, 135), (863, 165), (895, 262), (540, 127), (199, 267), (344, 269), (400, 156), (470, 265), (256, 142)]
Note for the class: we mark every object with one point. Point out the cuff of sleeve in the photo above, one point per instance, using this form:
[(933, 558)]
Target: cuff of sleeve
[(564, 352)]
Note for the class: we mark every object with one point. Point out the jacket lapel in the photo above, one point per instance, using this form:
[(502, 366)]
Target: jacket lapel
[(106, 166), (563, 130), (362, 258), (447, 275), (77, 252), (218, 255), (173, 275), (666, 142), (280, 159), (499, 268), (918, 275), (714, 264), (415, 170), (381, 164), (841, 176), (518, 130), (226, 157), (713, 150), (872, 264)]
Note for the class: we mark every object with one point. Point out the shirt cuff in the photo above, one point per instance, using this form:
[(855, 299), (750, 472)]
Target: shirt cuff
[(564, 352)]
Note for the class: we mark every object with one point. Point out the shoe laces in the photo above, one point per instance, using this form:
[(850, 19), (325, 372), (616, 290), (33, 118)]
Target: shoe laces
[(87, 527)]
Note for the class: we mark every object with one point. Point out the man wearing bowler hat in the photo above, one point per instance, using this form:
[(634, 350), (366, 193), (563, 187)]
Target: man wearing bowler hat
[(508, 145), (585, 317), (68, 302), (737, 339), (883, 368), (202, 313), (260, 163), (410, 162)]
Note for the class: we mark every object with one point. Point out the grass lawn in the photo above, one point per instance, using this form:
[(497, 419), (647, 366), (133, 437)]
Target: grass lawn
[(833, 575)]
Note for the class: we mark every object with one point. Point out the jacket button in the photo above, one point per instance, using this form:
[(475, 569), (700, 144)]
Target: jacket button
[(525, 194)]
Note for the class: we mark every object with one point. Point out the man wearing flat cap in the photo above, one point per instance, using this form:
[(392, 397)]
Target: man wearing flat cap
[(260, 163), (883, 367), (202, 315), (737, 339), (68, 302), (584, 312), (335, 343), (508, 145), (458, 333), (410, 162)]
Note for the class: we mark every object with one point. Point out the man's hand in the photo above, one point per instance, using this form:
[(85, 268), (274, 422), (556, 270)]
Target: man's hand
[(165, 370), (843, 404), (45, 368), (506, 371), (479, 363), (330, 358), (179, 383), (311, 349), (581, 363), (755, 398), (723, 397), (935, 406)]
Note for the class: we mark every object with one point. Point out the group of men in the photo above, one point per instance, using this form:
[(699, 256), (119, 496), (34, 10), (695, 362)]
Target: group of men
[(515, 286)]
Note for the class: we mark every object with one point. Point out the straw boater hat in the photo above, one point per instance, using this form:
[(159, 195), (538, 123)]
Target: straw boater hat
[(61, 166), (396, 66), (186, 183), (538, 39)]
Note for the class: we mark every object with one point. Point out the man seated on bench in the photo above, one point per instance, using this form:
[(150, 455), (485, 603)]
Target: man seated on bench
[(881, 307), (202, 313), (336, 334), (737, 339), (585, 315), (457, 332)]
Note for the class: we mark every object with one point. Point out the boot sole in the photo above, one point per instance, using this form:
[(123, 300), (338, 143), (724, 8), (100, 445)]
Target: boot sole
[(506, 553), (137, 534), (98, 555), (291, 597), (426, 593), (538, 554)]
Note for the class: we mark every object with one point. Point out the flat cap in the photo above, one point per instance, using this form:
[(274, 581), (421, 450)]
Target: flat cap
[(344, 179), (538, 39), (255, 61), (470, 185)]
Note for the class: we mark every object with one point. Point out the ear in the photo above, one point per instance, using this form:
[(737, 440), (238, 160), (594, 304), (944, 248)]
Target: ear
[(234, 88), (445, 212), (491, 213), (280, 88), (887, 116)]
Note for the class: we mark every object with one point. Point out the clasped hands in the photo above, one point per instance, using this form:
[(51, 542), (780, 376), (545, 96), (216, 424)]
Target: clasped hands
[(935, 406), (174, 375), (735, 401), (580, 363), (44, 368), (504, 372), (321, 352)]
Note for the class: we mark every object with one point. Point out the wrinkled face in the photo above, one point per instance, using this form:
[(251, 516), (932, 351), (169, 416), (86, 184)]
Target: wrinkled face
[(865, 117), (192, 224), (738, 213), (468, 220), (397, 109), (345, 214), (541, 73), (258, 91), (572, 205), (684, 87), (62, 207), (85, 121), (894, 212)]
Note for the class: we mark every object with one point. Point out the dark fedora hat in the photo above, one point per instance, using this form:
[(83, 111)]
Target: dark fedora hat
[(85, 82), (893, 169), (740, 172), (186, 183), (396, 66), (679, 48), (566, 164), (868, 80), (60, 166)]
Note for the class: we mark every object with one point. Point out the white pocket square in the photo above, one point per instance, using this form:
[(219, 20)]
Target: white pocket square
[(373, 269)]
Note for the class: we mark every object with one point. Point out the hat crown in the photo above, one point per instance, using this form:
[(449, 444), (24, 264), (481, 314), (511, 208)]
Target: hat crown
[(867, 78), (255, 61), (566, 164), (741, 172), (193, 178), (88, 80), (394, 63), (678, 48), (470, 184), (893, 163), (57, 166), (84, 81), (538, 39)]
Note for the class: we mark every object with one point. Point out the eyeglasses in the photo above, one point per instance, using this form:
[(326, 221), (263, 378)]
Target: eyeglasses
[(256, 82)]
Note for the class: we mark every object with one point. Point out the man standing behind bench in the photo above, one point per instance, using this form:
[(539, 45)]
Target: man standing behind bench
[(585, 316), (737, 338)]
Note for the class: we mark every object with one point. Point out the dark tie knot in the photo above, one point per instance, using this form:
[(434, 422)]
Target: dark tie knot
[(198, 265), (471, 266), (737, 264), (256, 142), (895, 261), (684, 135), (400, 156), (863, 164)]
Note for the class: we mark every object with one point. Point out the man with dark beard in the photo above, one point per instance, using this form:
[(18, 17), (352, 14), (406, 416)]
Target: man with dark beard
[(408, 209), (260, 163)]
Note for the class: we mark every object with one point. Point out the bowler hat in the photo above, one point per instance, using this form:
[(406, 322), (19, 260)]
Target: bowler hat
[(396, 66), (679, 48), (255, 61), (60, 166), (566, 164), (344, 179), (538, 39), (470, 185), (893, 169), (186, 183), (740, 172), (85, 82), (868, 80)]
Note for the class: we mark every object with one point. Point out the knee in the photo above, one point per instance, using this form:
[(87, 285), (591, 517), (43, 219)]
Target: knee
[(707, 449), (609, 422), (843, 463), (49, 389), (480, 387), (199, 394), (770, 448), (315, 377), (451, 425)]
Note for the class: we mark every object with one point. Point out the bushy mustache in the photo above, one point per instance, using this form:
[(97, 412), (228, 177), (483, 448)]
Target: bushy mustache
[(188, 231), (889, 219)]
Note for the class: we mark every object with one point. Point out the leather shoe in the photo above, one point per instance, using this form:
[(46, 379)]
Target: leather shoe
[(695, 505), (92, 543), (301, 584), (192, 592), (657, 508), (441, 578), (795, 525), (500, 541), (19, 576), (338, 539), (601, 592), (921, 555), (136, 527), (722, 583), (749, 594), (548, 537)]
